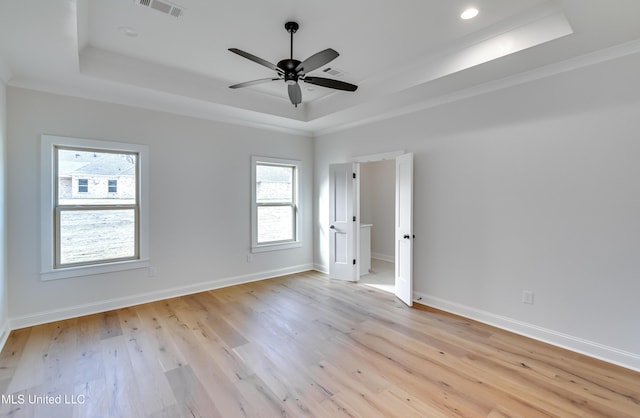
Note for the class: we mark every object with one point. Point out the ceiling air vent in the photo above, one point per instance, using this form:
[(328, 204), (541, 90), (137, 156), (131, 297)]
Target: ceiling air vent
[(332, 71), (165, 7)]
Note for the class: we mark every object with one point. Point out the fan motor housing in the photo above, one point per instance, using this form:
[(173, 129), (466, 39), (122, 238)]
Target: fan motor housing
[(288, 66)]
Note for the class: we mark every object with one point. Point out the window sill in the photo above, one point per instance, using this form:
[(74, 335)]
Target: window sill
[(275, 247), (68, 272)]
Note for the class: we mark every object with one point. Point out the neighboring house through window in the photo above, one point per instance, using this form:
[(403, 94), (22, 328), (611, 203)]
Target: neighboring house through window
[(275, 210), (100, 224)]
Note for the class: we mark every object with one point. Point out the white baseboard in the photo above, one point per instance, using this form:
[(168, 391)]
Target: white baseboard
[(592, 349), (107, 305), (384, 257)]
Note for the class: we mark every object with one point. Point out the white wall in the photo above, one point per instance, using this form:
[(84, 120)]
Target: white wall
[(199, 204), (377, 205), (4, 301), (536, 187)]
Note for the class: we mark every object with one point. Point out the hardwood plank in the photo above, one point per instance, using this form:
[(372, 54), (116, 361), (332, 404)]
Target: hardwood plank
[(62, 356), (110, 325), (192, 398), (217, 322), (121, 391), (94, 397), (168, 355), (89, 365), (408, 405), (222, 355), (11, 356), (154, 390), (290, 384), (30, 371), (16, 407), (258, 400), (172, 411)]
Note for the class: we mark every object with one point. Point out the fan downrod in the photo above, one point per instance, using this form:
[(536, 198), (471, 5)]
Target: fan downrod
[(288, 66)]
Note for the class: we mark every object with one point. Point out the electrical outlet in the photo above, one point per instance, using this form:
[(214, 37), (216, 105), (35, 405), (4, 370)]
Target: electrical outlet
[(527, 297), (152, 272), (249, 258)]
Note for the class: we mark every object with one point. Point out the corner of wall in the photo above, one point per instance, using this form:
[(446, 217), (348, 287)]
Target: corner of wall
[(4, 287), (5, 72), (321, 268)]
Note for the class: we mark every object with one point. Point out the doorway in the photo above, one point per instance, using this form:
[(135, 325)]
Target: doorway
[(377, 222), (347, 257)]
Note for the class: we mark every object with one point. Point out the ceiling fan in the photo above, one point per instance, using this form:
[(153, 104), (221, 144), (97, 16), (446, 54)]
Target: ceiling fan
[(292, 71)]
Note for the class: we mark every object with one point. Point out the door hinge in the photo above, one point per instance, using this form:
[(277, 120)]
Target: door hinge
[(354, 261), (354, 219), (354, 175)]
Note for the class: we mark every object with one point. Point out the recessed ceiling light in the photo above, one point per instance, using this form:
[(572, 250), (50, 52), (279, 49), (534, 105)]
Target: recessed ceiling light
[(469, 13), (129, 31)]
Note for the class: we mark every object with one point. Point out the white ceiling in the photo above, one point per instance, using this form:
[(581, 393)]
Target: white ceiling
[(403, 54)]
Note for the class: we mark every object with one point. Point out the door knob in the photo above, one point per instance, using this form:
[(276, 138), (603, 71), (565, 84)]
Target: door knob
[(406, 236), (332, 227)]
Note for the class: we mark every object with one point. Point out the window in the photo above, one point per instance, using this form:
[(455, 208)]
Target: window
[(83, 186), (113, 186), (94, 227), (275, 210)]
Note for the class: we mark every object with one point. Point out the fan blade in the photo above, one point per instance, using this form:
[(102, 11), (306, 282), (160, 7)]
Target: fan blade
[(316, 61), (253, 83), (255, 59), (295, 93), (332, 84)]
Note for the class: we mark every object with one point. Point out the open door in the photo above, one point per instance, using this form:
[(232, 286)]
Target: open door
[(342, 222), (404, 228)]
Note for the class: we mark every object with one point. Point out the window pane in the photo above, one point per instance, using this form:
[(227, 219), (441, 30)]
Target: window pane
[(93, 235), (274, 184), (275, 223), (83, 185), (96, 178), (113, 186)]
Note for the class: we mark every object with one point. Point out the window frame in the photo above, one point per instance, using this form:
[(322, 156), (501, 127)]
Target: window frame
[(50, 209), (295, 242)]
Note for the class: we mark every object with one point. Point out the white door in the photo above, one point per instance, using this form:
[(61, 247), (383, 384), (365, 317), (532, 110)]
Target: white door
[(342, 222), (404, 228)]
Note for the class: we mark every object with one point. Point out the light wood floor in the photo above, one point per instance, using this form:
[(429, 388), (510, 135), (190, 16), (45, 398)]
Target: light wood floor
[(299, 345), (381, 276)]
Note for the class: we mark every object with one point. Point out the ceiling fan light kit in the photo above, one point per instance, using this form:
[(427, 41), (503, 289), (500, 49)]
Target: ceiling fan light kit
[(292, 71)]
